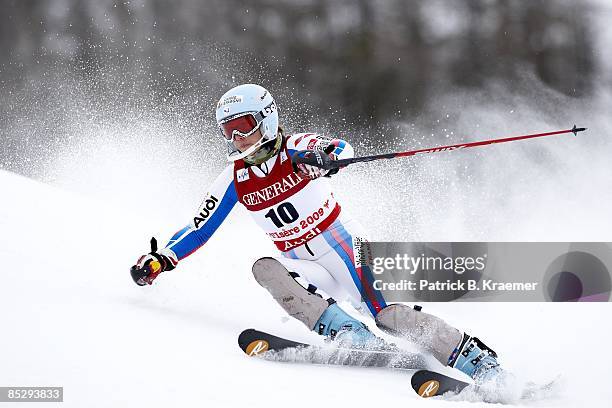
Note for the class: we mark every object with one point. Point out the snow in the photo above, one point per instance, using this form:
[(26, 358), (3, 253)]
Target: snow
[(72, 317)]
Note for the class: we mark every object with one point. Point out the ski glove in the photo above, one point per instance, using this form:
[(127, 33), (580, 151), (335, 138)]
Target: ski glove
[(149, 266), (313, 164)]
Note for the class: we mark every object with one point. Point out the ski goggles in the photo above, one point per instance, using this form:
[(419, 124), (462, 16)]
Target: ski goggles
[(243, 126)]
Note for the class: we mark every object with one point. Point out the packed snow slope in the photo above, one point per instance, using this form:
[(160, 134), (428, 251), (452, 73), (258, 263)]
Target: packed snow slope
[(71, 316)]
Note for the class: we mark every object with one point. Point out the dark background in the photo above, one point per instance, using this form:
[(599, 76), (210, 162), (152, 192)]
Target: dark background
[(364, 68)]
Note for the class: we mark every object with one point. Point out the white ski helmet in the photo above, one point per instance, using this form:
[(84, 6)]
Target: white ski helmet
[(240, 112)]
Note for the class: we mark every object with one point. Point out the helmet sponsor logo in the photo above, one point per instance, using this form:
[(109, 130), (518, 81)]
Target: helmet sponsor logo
[(207, 208), (257, 347), (262, 97), (268, 110), (429, 388), (230, 100)]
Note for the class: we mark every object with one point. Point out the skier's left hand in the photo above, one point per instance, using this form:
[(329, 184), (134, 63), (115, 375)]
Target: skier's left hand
[(313, 164)]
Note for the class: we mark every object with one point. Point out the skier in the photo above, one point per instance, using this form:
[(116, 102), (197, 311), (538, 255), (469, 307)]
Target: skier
[(277, 179)]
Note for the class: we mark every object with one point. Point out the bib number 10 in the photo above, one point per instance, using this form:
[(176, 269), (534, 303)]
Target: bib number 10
[(284, 213)]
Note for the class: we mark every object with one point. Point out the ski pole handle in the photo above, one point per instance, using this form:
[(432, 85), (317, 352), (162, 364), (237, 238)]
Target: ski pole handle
[(314, 158), (153, 244)]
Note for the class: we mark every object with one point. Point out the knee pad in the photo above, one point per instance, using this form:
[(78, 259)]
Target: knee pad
[(302, 303), (430, 332)]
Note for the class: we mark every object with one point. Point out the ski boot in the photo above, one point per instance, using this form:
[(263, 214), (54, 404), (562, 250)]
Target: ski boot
[(474, 358), (491, 383), (340, 327)]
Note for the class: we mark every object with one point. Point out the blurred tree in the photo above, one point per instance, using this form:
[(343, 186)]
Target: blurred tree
[(363, 62)]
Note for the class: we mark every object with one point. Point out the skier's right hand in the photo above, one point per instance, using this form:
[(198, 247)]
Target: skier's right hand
[(311, 164), (149, 266)]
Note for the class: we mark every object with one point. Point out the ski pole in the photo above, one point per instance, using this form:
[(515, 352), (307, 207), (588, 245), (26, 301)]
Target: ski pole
[(334, 164)]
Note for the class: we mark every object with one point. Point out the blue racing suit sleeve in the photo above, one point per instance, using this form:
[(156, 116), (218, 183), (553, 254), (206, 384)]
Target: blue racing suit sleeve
[(217, 204)]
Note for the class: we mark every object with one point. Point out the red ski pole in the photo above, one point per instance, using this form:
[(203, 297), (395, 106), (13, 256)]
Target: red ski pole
[(345, 162)]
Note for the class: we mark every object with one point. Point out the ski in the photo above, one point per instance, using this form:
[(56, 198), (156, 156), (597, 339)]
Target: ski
[(430, 384), (426, 383), (256, 343)]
